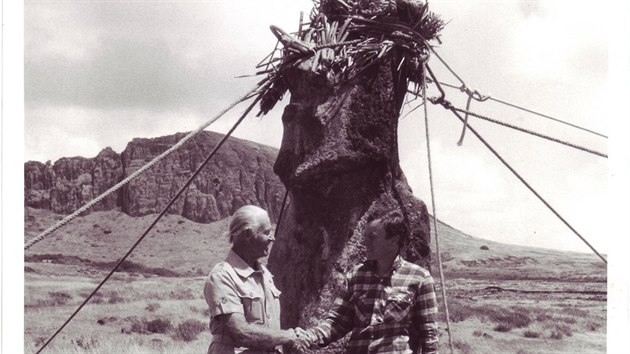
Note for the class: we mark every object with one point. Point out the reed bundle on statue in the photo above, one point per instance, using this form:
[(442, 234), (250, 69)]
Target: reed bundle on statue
[(344, 38)]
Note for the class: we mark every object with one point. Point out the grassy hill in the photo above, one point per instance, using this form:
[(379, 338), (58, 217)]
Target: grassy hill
[(465, 256), (189, 248), (175, 243)]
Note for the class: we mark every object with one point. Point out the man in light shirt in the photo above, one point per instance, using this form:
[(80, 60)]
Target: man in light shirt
[(243, 299)]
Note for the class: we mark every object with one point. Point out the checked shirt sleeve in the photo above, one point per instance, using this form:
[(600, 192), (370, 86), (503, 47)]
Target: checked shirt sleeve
[(339, 321), (424, 319)]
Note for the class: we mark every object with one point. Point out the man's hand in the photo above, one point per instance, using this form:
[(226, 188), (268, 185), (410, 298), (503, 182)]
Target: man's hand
[(255, 336), (308, 334), (303, 340)]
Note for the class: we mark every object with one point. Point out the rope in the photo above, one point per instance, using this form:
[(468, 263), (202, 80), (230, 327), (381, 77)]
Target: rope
[(448, 106), (437, 243), (461, 138), (445, 64), (477, 96), (181, 190), (284, 203), (441, 100), (550, 138), (530, 111), (136, 173), (336, 44)]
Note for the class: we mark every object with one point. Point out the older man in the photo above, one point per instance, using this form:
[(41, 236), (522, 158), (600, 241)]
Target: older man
[(388, 303), (244, 302)]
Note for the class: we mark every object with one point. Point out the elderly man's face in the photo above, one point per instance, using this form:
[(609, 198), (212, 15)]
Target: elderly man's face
[(261, 237)]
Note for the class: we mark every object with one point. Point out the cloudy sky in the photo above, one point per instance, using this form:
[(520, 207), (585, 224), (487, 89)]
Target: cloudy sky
[(99, 73)]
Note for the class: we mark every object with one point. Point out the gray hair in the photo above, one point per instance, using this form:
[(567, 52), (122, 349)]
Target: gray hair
[(245, 218)]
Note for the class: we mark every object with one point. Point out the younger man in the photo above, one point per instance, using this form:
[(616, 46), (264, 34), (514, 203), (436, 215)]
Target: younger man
[(388, 303)]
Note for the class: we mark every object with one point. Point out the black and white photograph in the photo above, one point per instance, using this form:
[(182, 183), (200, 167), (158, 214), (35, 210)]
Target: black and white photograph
[(315, 176)]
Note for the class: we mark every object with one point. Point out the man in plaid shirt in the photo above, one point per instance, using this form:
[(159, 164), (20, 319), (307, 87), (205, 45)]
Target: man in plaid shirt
[(388, 303)]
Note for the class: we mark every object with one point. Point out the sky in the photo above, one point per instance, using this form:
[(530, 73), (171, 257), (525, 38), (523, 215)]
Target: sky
[(99, 73)]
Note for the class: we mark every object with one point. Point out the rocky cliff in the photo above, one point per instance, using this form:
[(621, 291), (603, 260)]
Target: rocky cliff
[(240, 173)]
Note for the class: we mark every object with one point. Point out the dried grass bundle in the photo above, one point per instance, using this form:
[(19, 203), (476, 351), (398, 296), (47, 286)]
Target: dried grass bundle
[(346, 37)]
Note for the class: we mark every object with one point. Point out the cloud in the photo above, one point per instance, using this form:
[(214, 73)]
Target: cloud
[(562, 41), (122, 57), (86, 131), (120, 74), (137, 69), (155, 56)]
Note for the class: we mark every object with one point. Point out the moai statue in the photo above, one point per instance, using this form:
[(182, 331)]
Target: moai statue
[(339, 162)]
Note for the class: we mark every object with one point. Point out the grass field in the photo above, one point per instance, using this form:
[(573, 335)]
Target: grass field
[(502, 298), (131, 314), (138, 314)]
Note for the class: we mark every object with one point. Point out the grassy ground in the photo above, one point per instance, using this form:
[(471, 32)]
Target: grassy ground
[(130, 314), (502, 298), (137, 314), (546, 319)]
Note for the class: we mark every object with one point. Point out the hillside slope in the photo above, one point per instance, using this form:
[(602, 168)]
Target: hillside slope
[(471, 257), (175, 243), (191, 248)]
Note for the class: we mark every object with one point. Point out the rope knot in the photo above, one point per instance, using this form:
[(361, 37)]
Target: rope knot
[(441, 101)]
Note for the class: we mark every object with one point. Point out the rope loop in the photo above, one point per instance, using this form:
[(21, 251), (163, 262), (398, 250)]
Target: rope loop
[(290, 43), (475, 94), (472, 94), (461, 138)]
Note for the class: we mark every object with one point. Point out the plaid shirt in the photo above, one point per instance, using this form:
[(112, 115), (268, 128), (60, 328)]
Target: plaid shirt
[(393, 314)]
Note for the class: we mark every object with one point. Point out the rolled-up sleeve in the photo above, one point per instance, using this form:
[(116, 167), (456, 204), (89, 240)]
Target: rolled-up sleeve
[(221, 295)]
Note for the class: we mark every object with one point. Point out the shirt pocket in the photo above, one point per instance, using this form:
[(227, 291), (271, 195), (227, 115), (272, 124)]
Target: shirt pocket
[(252, 301), (397, 307), (253, 308)]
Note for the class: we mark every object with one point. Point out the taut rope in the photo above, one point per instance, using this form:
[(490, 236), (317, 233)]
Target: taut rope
[(492, 98), (531, 132), (435, 229), (448, 106)]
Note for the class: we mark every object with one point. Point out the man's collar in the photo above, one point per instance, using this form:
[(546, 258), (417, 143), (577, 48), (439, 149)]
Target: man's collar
[(397, 262), (372, 264), (240, 266)]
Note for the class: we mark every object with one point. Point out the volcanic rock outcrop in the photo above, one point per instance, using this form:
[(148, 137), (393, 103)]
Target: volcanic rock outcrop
[(240, 173)]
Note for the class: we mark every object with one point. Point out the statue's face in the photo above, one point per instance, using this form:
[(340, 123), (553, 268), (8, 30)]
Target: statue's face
[(329, 132)]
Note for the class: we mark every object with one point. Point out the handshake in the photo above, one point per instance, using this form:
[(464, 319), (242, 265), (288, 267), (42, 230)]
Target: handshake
[(303, 339)]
